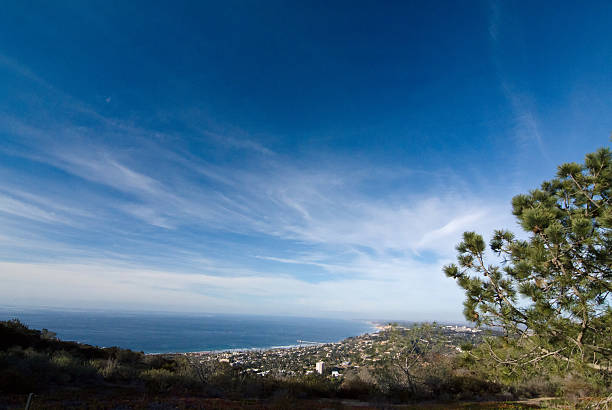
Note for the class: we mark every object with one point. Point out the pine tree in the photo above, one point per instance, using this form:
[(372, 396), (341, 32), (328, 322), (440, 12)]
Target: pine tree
[(550, 293)]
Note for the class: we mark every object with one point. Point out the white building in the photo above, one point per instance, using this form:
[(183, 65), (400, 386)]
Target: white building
[(320, 367)]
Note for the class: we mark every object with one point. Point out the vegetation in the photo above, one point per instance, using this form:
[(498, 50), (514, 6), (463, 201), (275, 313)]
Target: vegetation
[(401, 364), (551, 292)]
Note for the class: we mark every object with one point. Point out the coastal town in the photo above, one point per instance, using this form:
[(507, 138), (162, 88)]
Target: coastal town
[(336, 359)]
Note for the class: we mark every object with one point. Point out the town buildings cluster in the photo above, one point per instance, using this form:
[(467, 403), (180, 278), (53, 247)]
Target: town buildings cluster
[(334, 359)]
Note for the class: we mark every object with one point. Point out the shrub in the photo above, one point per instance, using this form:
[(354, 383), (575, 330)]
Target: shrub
[(105, 368), (63, 359), (354, 387), (160, 380)]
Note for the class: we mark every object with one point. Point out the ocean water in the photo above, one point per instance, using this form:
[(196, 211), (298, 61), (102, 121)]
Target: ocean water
[(173, 332)]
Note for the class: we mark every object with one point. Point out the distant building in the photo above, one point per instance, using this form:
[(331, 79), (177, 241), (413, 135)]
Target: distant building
[(320, 367)]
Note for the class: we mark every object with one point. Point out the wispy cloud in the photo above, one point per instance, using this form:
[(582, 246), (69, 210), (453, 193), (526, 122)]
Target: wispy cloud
[(322, 216), (149, 220), (102, 168), (240, 143), (101, 285), (527, 130), (365, 245), (494, 19), (22, 209)]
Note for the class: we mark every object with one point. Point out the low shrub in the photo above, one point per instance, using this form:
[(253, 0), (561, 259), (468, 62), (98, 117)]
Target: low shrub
[(358, 385), (162, 381)]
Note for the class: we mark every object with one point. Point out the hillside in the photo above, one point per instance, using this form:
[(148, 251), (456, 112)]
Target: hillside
[(399, 366)]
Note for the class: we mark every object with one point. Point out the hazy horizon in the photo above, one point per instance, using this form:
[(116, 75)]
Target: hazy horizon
[(8, 310)]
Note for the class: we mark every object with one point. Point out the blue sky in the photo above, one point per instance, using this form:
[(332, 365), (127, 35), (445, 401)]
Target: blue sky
[(305, 158)]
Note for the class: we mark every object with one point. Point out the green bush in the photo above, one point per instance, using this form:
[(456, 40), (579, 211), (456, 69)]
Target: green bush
[(161, 381), (124, 356), (64, 360), (107, 368)]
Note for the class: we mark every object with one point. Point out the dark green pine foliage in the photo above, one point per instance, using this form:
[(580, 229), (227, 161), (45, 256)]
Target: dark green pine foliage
[(553, 290)]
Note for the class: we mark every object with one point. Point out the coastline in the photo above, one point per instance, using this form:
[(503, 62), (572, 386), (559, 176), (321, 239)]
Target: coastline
[(375, 328), (378, 326), (176, 334)]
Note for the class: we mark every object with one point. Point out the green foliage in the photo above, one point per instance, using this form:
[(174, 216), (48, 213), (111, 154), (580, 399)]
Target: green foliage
[(409, 352), (359, 384), (107, 368), (419, 363), (550, 293), (162, 380)]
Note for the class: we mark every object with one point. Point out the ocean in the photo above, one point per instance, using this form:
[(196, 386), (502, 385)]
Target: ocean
[(174, 332)]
